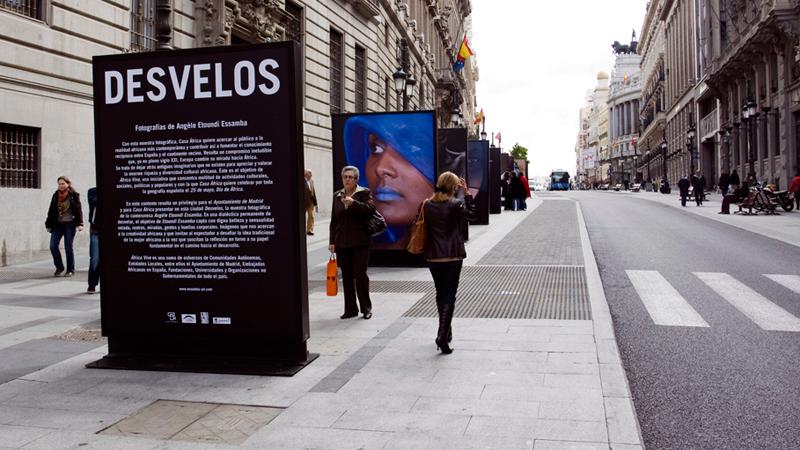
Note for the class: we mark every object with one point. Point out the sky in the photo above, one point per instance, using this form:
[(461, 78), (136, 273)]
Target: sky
[(536, 60)]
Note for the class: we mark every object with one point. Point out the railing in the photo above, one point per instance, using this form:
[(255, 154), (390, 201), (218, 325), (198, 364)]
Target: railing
[(19, 157), (445, 76), (709, 124), (30, 8)]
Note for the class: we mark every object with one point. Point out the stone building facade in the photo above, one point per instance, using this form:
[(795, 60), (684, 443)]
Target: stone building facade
[(751, 55), (350, 50), (681, 77), (594, 132), (623, 113), (652, 101)]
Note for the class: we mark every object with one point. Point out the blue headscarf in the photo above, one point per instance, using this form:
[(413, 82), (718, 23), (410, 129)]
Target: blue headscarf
[(410, 135)]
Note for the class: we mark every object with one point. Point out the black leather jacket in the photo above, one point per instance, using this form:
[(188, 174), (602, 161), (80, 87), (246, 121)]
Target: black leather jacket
[(349, 226), (443, 223), (75, 205)]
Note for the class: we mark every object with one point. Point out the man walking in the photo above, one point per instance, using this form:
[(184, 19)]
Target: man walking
[(683, 187), (310, 199), (698, 184), (94, 242)]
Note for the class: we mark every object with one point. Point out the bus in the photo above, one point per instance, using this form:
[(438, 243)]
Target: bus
[(559, 180)]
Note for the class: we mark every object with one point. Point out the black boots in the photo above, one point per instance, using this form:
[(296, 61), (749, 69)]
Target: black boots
[(445, 333)]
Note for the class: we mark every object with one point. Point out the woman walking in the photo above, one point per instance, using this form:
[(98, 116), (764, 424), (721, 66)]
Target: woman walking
[(444, 247), (64, 217), (350, 240)]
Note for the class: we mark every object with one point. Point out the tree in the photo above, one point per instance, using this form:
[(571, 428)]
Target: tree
[(519, 152)]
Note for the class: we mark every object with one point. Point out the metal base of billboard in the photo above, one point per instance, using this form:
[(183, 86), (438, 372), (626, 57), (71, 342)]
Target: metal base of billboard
[(124, 355)]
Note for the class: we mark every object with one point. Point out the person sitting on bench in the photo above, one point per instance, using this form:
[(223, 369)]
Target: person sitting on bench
[(736, 196)]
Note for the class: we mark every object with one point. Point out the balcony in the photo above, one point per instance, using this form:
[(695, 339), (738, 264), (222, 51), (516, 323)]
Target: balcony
[(367, 8), (446, 78), (709, 125)]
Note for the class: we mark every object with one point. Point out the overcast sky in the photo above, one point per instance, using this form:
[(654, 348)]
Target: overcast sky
[(537, 59)]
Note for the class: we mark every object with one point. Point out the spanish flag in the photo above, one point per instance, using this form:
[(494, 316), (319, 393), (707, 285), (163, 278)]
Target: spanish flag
[(463, 53), (479, 118)]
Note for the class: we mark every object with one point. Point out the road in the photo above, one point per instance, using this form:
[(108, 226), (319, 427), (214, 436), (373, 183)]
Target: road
[(710, 343)]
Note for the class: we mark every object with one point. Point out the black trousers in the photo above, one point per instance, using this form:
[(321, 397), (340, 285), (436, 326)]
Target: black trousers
[(698, 196), (445, 279), (353, 261)]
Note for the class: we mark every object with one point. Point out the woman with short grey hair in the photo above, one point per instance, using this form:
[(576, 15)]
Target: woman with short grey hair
[(350, 240)]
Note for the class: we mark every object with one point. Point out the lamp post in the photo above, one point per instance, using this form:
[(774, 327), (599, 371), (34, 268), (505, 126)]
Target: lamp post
[(726, 140), (404, 84), (454, 116), (483, 135), (690, 133), (664, 147), (749, 115)]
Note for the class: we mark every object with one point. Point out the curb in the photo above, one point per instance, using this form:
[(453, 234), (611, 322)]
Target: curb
[(621, 420)]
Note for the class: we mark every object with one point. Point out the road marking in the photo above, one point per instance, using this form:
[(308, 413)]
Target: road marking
[(791, 282), (665, 305), (755, 306)]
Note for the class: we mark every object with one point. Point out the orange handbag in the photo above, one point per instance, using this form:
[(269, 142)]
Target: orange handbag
[(416, 245), (331, 282)]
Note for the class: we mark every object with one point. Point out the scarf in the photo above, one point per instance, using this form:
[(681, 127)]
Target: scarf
[(62, 196)]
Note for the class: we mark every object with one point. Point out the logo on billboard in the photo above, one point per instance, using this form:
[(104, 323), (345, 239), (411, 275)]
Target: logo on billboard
[(222, 320), (172, 317), (188, 318), (204, 318)]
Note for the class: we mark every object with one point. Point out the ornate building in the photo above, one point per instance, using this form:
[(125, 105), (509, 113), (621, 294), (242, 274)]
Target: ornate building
[(623, 113), (350, 51), (594, 125), (652, 101), (751, 52)]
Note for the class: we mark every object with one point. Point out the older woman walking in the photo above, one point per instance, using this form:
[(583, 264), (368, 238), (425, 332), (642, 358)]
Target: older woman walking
[(350, 240), (444, 247), (64, 217)]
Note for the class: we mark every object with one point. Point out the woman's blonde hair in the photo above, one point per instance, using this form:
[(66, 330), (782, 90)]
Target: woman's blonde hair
[(445, 186)]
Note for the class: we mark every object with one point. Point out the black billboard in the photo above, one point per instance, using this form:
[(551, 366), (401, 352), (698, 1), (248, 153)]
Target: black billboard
[(395, 153), (452, 151), (478, 180), (200, 173), (495, 198)]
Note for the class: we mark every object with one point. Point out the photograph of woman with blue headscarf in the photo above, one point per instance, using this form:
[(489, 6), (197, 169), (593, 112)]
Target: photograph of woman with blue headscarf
[(395, 152)]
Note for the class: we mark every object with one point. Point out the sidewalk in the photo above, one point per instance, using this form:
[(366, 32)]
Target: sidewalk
[(785, 226), (535, 363)]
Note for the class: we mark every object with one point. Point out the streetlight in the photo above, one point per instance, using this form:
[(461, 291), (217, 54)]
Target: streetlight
[(483, 135), (690, 133), (749, 115), (404, 84), (664, 147), (454, 115), (726, 140)]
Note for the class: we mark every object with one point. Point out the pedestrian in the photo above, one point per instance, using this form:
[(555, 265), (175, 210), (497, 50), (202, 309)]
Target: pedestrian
[(698, 185), (795, 187), (349, 239), (724, 181), (516, 191), (527, 190), (310, 199), (444, 213), (734, 180), (94, 242), (64, 217), (505, 191), (683, 187)]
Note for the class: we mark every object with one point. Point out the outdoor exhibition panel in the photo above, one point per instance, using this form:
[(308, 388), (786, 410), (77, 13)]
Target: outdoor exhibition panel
[(451, 154), (200, 163), (495, 200), (478, 170), (395, 153)]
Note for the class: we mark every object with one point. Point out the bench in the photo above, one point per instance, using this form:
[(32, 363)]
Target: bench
[(747, 203)]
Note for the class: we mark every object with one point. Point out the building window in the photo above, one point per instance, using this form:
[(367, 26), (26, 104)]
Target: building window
[(30, 8), (336, 57), (422, 94), (19, 157), (294, 24), (361, 79), (143, 25)]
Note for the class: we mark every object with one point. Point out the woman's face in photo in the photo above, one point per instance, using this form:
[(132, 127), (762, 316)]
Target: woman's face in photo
[(398, 188)]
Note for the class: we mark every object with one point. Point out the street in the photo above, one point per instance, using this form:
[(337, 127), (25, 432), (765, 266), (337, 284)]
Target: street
[(706, 317)]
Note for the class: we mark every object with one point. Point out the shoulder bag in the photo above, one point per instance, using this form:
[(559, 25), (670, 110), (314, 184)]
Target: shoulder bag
[(419, 234)]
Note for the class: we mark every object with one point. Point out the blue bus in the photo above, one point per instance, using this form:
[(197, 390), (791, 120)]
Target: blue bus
[(559, 180)]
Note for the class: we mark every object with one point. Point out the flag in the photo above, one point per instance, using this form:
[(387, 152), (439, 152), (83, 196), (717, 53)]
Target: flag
[(479, 118), (464, 52), (498, 137)]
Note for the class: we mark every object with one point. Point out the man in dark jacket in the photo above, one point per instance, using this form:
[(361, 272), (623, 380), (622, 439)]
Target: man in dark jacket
[(734, 181), (698, 184), (94, 241), (724, 181), (683, 187)]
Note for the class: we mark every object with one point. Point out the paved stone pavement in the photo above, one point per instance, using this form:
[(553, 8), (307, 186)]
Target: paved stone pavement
[(510, 383)]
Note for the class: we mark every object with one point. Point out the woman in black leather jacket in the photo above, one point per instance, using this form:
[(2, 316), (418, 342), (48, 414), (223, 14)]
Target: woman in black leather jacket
[(444, 246)]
